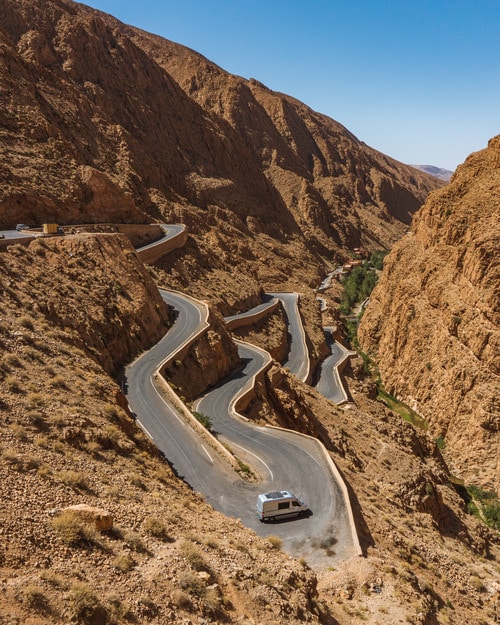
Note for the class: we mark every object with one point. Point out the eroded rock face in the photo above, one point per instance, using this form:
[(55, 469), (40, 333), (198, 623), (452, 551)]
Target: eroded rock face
[(212, 357), (105, 123), (84, 284), (433, 319), (334, 186)]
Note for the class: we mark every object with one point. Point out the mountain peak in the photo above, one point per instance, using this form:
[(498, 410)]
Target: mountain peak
[(437, 172)]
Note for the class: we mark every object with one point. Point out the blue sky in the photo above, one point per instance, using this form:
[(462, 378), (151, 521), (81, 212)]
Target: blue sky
[(416, 79)]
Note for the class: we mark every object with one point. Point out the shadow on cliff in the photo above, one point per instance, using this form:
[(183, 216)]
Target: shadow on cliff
[(399, 202), (365, 537)]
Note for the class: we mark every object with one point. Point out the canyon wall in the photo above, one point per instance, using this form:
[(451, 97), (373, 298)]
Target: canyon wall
[(101, 122), (339, 191), (433, 319)]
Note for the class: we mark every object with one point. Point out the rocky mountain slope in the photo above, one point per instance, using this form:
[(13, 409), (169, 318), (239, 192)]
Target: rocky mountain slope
[(337, 189), (434, 319), (98, 122), (67, 439)]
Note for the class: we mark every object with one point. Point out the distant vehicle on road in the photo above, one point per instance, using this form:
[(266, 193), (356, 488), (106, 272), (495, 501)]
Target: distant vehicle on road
[(22, 227), (280, 504)]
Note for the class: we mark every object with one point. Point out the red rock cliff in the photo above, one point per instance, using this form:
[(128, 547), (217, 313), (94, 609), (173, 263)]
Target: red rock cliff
[(433, 319), (100, 122)]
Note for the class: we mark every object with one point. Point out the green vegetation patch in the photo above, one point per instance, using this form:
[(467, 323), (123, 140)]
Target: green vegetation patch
[(360, 282), (404, 411), (485, 505), (204, 419)]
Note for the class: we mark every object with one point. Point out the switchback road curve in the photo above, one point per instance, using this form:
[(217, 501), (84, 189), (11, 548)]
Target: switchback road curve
[(281, 459), (329, 381)]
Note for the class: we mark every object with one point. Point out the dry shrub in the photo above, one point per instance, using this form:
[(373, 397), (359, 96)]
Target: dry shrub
[(32, 462), (211, 542), (57, 419), (11, 457), (477, 584), (76, 533), (34, 399), (19, 432), (84, 605), (136, 480), (194, 556), (275, 542), (182, 600), (42, 441), (134, 541), (192, 583), (156, 528), (11, 360), (44, 471), (26, 322), (93, 447), (32, 355), (110, 411), (34, 597), (36, 418), (124, 562), (59, 382), (76, 480), (212, 603), (53, 578), (119, 609), (13, 384), (266, 578), (147, 607)]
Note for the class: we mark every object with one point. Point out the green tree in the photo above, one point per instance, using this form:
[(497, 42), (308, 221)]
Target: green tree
[(358, 285), (369, 281), (377, 259)]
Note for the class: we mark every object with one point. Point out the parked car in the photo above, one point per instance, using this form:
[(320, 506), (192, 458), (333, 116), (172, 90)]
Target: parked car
[(22, 227)]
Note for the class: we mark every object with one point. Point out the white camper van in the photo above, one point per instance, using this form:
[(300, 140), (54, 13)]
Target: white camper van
[(271, 506)]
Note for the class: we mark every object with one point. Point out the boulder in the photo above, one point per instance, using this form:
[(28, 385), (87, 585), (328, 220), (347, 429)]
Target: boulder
[(102, 519)]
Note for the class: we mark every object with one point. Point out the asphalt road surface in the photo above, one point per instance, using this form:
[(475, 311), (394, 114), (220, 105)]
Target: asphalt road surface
[(268, 304), (14, 234), (183, 448), (280, 459), (298, 354), (329, 383), (169, 231)]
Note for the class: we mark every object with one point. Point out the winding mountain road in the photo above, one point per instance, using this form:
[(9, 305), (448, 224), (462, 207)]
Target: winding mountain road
[(329, 383), (269, 303), (181, 445), (280, 459), (298, 355)]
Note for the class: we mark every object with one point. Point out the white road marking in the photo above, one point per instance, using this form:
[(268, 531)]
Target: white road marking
[(209, 456), (167, 403), (145, 430), (255, 456)]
